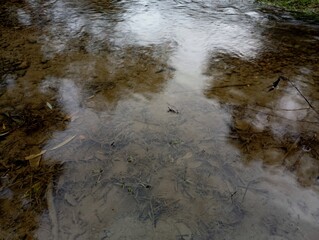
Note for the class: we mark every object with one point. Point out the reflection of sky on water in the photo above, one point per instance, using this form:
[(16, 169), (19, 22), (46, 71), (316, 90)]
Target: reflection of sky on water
[(24, 17), (193, 39), (193, 33), (70, 96), (289, 103)]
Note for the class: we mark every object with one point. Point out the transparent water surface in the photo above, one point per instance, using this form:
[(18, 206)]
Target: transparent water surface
[(158, 120)]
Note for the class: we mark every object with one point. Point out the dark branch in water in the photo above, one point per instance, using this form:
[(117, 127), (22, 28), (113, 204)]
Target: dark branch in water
[(275, 84), (287, 79)]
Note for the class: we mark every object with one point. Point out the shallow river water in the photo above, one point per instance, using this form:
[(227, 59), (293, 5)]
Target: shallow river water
[(145, 119)]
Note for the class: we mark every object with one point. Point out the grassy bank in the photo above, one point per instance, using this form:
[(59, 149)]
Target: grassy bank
[(309, 7)]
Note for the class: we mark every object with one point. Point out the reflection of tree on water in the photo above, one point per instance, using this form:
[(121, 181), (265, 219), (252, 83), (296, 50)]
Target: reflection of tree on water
[(278, 127), (77, 43), (31, 108), (135, 70), (102, 79)]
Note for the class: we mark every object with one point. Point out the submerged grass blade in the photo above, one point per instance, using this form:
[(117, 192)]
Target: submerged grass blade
[(63, 143), (49, 106), (32, 156)]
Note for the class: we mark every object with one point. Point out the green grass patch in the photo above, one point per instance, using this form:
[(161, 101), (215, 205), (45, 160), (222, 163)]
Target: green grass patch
[(309, 7)]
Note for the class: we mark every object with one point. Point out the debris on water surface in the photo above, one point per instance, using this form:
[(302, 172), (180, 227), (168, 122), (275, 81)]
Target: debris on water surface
[(172, 110)]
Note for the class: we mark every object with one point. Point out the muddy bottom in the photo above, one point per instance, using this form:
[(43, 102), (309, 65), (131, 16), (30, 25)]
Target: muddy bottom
[(157, 120)]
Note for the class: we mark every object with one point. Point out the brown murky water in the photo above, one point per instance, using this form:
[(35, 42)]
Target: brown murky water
[(157, 120)]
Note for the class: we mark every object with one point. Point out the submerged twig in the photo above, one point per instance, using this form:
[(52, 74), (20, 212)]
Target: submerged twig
[(245, 192), (232, 85), (293, 146), (152, 213), (284, 78), (52, 212)]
